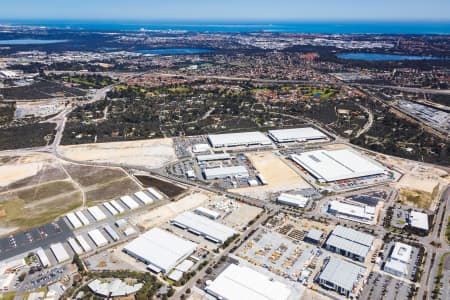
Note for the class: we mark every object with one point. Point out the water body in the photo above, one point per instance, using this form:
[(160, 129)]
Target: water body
[(30, 42), (386, 57), (175, 51), (336, 27)]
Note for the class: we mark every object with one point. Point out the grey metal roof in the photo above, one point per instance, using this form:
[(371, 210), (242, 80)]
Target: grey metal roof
[(342, 273), (354, 235), (349, 246), (314, 234)]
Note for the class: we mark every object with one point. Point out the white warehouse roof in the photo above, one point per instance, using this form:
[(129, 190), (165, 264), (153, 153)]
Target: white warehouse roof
[(160, 248), (223, 172), (236, 283), (146, 199), (419, 220), (59, 252), (401, 252), (362, 213), (203, 226), (296, 135), (74, 221), (336, 165), (45, 262), (97, 213), (238, 139), (203, 211), (129, 202), (98, 238), (293, 200)]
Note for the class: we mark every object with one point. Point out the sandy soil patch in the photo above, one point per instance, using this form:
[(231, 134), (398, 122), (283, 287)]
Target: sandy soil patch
[(241, 216), (10, 173), (165, 213), (151, 153), (422, 183), (312, 295), (279, 176)]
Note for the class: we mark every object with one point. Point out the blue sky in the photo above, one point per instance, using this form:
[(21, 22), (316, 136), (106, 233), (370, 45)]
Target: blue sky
[(242, 10)]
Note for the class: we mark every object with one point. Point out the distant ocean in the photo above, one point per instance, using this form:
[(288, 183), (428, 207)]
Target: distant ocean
[(299, 27)]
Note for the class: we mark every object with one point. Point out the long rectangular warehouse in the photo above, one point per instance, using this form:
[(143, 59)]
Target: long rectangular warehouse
[(74, 221), (111, 232), (98, 238), (110, 208), (293, 200), (74, 245), (296, 135), (160, 249), (238, 282), (155, 193), (83, 243), (327, 166), (129, 202), (224, 172), (143, 197), (82, 217), (238, 139), (211, 157), (43, 258), (117, 206), (96, 213), (59, 252), (203, 226), (203, 211)]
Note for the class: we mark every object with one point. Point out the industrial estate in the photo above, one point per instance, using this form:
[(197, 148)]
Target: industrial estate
[(127, 174)]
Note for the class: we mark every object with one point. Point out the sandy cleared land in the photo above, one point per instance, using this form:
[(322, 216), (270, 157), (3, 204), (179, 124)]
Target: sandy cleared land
[(11, 173), (151, 153), (15, 168), (165, 213), (242, 216), (422, 183), (279, 176)]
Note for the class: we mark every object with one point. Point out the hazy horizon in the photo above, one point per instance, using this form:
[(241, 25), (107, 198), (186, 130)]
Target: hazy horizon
[(229, 11)]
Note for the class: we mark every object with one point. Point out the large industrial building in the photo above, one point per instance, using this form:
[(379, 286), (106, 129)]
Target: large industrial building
[(359, 213), (328, 166), (349, 242), (293, 200), (341, 276), (238, 139), (397, 263), (160, 249), (296, 135), (212, 157), (225, 172), (237, 282), (203, 226)]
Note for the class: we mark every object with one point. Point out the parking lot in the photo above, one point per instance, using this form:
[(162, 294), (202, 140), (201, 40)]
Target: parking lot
[(381, 286), (183, 145), (41, 236)]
